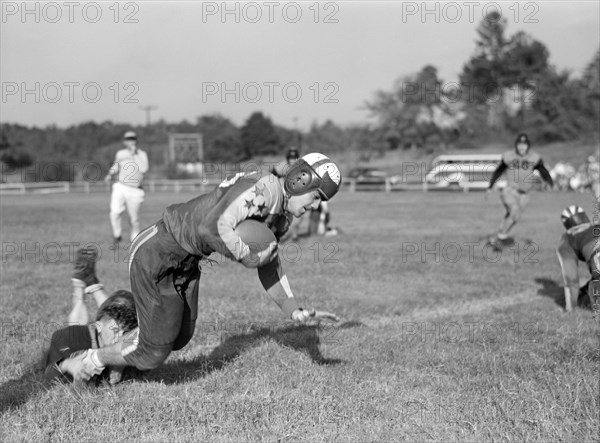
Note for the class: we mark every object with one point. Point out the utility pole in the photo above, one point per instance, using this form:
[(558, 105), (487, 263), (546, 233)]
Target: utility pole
[(298, 136), (148, 109)]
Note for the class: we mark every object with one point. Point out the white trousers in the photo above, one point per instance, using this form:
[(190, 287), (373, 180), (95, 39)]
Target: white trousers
[(125, 197)]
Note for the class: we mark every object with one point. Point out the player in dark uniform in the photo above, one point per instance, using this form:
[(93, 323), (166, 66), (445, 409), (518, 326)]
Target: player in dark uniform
[(519, 166), (581, 242), (165, 257), (116, 315)]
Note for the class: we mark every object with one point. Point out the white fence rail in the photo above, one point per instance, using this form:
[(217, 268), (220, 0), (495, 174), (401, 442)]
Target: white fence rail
[(90, 187), (35, 188), (201, 186)]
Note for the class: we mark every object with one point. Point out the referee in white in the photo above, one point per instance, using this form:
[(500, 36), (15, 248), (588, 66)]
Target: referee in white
[(131, 163)]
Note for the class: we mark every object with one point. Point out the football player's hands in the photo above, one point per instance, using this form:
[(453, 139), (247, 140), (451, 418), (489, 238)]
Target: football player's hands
[(116, 375), (84, 366), (268, 254), (263, 257), (311, 316)]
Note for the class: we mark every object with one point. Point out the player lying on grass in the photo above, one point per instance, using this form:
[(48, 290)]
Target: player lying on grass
[(581, 242), (165, 258), (115, 316), (519, 166)]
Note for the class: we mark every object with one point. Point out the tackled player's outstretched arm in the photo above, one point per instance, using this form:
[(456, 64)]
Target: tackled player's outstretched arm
[(570, 272)]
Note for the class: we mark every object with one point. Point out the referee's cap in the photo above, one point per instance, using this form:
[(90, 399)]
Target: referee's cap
[(130, 135)]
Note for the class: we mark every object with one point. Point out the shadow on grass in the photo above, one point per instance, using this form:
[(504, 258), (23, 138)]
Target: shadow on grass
[(300, 338), (551, 289), (15, 393)]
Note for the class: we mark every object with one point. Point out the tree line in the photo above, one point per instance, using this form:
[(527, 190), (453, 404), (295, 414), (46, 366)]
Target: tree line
[(506, 86)]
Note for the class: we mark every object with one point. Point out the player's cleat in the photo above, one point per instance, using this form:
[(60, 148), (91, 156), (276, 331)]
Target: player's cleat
[(85, 263), (496, 246), (500, 241), (507, 242), (495, 243)]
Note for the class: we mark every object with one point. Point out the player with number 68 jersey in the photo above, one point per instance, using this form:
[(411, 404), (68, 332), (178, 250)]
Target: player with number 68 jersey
[(519, 166)]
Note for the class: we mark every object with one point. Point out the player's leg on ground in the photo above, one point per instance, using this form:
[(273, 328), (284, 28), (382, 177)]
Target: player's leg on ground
[(100, 295), (515, 203), (79, 313), (522, 201), (83, 279), (117, 207), (508, 199), (135, 198)]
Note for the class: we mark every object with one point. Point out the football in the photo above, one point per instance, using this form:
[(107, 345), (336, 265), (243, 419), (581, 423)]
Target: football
[(255, 234)]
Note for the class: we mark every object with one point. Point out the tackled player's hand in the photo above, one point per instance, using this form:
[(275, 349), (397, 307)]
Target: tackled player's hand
[(84, 366)]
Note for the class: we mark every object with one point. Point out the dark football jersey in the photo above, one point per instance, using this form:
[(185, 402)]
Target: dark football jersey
[(64, 343), (206, 224)]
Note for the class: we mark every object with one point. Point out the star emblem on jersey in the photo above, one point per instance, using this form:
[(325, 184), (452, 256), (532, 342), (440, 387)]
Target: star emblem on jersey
[(249, 204), (261, 207), (259, 191)]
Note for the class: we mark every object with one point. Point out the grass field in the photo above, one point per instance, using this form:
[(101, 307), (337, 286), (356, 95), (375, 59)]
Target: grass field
[(441, 338)]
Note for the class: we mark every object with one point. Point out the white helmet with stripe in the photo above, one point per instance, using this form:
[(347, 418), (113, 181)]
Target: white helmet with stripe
[(313, 172), (573, 216)]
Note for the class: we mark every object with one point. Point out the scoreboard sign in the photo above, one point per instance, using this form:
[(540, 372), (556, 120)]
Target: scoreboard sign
[(186, 148)]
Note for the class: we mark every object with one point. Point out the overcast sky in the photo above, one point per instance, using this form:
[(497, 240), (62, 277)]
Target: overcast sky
[(65, 63)]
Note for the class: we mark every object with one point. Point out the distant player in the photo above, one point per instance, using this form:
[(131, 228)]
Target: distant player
[(581, 242), (165, 258), (116, 315), (319, 221), (281, 169), (592, 166), (130, 165), (519, 166)]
